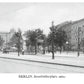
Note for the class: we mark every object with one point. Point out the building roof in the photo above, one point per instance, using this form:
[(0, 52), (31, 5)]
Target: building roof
[(77, 21), (67, 23), (4, 32)]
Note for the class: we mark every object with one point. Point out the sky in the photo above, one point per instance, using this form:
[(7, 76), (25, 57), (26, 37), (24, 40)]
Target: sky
[(30, 16)]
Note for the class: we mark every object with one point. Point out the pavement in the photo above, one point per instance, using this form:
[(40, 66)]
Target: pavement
[(66, 59)]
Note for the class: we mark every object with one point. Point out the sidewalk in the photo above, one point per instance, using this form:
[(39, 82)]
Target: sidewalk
[(63, 58)]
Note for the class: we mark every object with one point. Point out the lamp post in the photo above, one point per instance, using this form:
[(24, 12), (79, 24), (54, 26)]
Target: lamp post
[(67, 43), (52, 39)]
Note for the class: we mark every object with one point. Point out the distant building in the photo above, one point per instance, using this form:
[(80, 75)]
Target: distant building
[(6, 36), (71, 29)]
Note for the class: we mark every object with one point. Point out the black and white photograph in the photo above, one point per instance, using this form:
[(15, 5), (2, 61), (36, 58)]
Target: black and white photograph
[(41, 37)]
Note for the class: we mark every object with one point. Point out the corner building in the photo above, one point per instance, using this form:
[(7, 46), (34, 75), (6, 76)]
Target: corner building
[(72, 28)]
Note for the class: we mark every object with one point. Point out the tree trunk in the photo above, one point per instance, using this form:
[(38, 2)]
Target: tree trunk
[(60, 49), (35, 49), (52, 50), (43, 49), (48, 49), (18, 53), (18, 50)]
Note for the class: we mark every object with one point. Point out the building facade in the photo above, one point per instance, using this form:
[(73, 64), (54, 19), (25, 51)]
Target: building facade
[(74, 31)]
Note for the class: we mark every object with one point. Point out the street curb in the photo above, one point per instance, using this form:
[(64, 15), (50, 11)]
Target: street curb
[(61, 64)]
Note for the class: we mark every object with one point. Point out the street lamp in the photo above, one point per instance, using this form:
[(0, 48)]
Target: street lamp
[(52, 28), (67, 43)]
